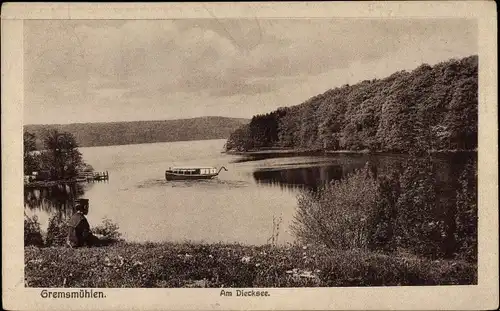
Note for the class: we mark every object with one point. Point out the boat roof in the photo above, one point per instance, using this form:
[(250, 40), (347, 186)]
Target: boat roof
[(190, 167)]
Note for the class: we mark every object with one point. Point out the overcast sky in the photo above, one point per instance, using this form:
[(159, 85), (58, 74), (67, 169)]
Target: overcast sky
[(98, 71)]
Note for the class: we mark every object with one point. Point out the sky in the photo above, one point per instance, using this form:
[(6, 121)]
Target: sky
[(79, 71)]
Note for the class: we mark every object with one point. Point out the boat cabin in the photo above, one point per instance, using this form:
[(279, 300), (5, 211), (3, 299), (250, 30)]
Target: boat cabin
[(191, 172)]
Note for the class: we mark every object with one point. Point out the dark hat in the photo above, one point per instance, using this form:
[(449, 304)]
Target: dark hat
[(81, 202)]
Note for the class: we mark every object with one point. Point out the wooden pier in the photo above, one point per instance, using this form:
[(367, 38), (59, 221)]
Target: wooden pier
[(83, 177), (93, 176), (99, 176)]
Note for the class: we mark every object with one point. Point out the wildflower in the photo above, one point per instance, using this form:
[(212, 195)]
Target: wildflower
[(257, 264), (304, 247), (210, 256), (293, 271), (307, 274), (245, 259)]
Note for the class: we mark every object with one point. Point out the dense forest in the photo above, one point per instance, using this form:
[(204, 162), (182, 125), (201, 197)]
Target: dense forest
[(432, 108), (138, 132)]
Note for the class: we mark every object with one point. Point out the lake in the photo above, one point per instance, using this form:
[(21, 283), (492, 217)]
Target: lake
[(240, 205)]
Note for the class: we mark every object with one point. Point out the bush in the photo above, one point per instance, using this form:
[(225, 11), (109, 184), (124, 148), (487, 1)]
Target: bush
[(340, 214), (466, 217), (32, 231), (57, 231), (383, 221), (108, 230), (419, 224)]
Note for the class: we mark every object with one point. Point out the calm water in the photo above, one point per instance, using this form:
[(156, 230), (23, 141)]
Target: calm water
[(238, 206)]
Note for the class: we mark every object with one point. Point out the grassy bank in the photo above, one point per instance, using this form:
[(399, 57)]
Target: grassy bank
[(221, 265)]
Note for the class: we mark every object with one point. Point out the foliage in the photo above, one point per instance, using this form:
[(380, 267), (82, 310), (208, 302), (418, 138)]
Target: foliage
[(382, 236), (340, 214), (467, 214), (108, 230), (431, 107), (62, 153), (57, 231), (400, 210), (30, 159), (419, 223), (150, 265), (240, 140), (32, 231)]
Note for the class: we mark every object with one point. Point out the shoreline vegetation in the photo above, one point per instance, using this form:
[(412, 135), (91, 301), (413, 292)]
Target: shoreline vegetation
[(284, 151)]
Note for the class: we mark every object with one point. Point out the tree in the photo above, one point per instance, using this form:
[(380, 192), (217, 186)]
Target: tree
[(30, 159), (240, 140), (62, 155), (419, 222)]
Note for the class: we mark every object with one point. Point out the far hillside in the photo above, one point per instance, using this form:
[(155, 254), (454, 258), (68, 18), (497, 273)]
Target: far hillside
[(430, 108), (139, 132)]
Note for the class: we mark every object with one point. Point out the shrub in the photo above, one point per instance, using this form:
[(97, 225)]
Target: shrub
[(339, 215), (419, 224), (384, 217), (466, 217), (57, 231), (32, 231), (109, 230)]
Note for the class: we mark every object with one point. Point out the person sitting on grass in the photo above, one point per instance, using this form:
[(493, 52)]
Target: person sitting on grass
[(79, 233)]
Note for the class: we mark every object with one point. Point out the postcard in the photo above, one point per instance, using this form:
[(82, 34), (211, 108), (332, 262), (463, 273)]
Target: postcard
[(260, 155)]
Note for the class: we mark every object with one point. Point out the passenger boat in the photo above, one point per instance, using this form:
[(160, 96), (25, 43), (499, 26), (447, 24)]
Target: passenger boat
[(191, 173)]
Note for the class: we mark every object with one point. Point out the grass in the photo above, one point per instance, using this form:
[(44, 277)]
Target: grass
[(149, 265)]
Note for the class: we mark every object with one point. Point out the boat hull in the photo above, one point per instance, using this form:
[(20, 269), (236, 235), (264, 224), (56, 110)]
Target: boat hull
[(172, 176)]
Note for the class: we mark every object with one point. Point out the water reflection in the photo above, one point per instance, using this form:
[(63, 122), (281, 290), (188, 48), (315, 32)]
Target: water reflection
[(57, 199), (300, 177), (312, 175)]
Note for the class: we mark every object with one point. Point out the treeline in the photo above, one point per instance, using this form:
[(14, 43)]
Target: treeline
[(434, 108), (59, 157), (138, 132)]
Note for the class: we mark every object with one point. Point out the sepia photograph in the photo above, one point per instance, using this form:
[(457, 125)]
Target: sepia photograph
[(249, 154)]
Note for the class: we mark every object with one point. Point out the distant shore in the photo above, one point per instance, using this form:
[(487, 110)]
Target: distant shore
[(284, 152)]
